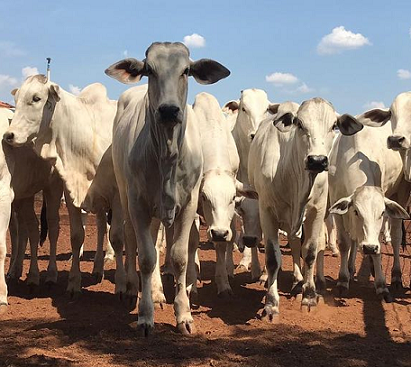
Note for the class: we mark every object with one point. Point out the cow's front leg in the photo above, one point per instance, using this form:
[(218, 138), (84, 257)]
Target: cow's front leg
[(141, 223), (156, 283), (77, 239), (221, 277), (179, 259), (5, 209), (379, 281)]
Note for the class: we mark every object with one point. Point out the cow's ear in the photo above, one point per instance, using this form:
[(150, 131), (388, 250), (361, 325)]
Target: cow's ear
[(348, 125), (395, 210), (14, 91), (341, 206), (375, 117), (127, 71), (231, 106), (285, 122), (206, 71), (273, 108), (245, 190), (54, 92)]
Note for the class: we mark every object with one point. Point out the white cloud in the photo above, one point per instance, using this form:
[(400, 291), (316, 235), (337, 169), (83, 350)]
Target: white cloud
[(340, 40), (125, 53), (304, 88), (9, 49), (74, 89), (29, 71), (281, 78), (194, 41), (7, 81), (374, 104), (403, 74)]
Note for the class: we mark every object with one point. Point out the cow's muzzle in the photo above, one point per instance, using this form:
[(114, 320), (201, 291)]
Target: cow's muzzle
[(397, 142), (218, 235), (317, 163), (370, 249), (169, 114)]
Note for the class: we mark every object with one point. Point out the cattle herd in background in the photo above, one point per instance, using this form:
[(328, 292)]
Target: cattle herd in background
[(150, 159)]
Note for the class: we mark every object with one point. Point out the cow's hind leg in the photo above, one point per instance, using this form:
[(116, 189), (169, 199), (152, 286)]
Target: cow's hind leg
[(344, 244), (5, 209), (396, 239)]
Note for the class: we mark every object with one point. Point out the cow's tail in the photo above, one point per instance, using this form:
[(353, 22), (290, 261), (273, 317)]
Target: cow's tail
[(404, 235), (44, 228)]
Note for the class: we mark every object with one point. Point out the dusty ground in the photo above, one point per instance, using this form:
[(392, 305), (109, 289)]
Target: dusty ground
[(47, 329)]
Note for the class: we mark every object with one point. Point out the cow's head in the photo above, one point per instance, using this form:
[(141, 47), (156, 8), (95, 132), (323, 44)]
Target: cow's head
[(252, 108), (168, 66), (314, 123), (35, 103), (400, 115), (218, 193), (367, 207)]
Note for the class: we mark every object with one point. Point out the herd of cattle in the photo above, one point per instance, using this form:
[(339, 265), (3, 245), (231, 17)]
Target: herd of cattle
[(151, 159)]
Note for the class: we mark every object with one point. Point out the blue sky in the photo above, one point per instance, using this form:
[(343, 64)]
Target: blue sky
[(354, 53)]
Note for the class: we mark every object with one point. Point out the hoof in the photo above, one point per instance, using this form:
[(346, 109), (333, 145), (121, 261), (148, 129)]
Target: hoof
[(308, 303), (3, 308), (342, 290), (74, 295), (396, 285), (270, 314), (386, 296), (186, 328), (225, 294), (145, 330), (297, 289), (98, 277)]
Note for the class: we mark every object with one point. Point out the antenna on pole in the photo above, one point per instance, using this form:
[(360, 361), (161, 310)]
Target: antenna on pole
[(48, 67)]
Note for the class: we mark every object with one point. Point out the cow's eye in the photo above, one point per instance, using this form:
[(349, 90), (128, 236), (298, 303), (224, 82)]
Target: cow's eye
[(36, 99), (355, 212), (186, 71), (383, 212), (243, 109)]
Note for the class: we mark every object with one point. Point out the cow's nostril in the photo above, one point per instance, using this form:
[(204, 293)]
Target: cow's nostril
[(252, 136), (9, 137)]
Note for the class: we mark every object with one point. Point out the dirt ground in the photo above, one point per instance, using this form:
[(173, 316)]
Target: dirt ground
[(45, 328)]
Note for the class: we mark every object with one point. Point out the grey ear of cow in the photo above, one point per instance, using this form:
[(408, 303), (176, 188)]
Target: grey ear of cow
[(348, 124), (232, 105), (395, 210), (207, 71), (341, 206), (127, 71), (54, 92), (273, 108), (375, 117), (285, 122)]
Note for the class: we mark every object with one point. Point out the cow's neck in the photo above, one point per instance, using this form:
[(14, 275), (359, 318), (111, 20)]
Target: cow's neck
[(74, 158), (167, 144)]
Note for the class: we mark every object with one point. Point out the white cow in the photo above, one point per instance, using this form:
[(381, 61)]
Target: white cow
[(6, 198), (219, 186), (288, 157), (363, 174), (400, 114), (72, 132), (158, 165), (252, 108)]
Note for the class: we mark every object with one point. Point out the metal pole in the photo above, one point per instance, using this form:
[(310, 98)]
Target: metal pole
[(48, 68)]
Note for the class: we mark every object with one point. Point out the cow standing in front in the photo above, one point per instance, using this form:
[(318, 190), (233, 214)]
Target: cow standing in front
[(72, 133), (158, 165), (219, 186), (399, 114), (287, 163), (363, 176)]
